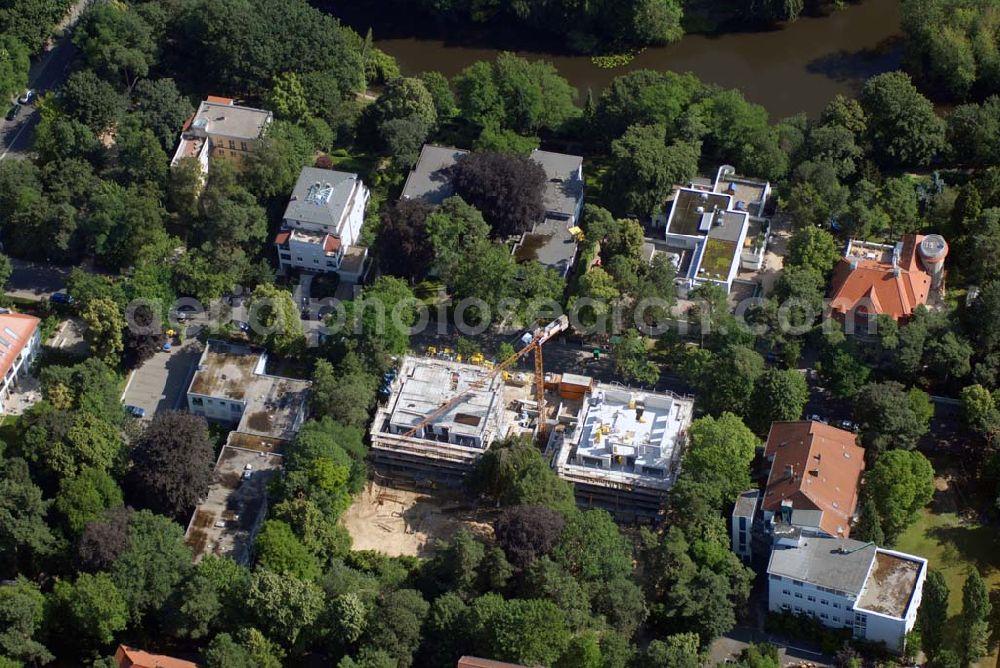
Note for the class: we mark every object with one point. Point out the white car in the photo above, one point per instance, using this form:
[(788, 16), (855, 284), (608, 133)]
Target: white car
[(28, 97)]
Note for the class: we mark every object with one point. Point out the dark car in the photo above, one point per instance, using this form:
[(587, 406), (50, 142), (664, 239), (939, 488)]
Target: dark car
[(60, 298), (135, 411), (13, 112)]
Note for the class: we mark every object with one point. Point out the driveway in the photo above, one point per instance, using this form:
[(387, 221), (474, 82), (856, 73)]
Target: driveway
[(729, 647), (47, 73), (69, 337), (161, 383), (35, 280)]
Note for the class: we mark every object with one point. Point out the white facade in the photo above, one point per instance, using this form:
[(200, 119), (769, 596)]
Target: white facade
[(322, 223), (741, 523), (19, 367), (846, 584)]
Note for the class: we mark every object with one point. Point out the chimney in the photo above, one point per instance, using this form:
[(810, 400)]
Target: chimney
[(789, 471)]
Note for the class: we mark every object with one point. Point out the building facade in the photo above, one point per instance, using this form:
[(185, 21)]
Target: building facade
[(223, 130), (847, 584), (20, 340), (322, 223)]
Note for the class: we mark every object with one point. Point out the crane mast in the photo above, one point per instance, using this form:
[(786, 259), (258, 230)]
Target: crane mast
[(532, 341)]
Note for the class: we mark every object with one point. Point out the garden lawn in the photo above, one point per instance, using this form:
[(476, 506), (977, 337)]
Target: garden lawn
[(952, 545)]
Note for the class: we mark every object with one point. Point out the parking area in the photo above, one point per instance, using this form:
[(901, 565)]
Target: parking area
[(161, 383), (69, 337)]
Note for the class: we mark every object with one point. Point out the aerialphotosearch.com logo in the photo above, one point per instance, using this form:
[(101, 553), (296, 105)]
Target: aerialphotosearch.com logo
[(370, 315)]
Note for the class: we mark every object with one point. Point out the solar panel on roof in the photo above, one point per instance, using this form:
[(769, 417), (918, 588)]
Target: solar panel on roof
[(4, 342), (12, 333)]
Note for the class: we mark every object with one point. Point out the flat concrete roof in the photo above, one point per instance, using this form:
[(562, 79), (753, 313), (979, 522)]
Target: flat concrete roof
[(273, 405), (891, 584), (425, 384), (563, 182), (230, 120), (746, 503), (548, 243), (685, 218), (225, 522), (627, 436)]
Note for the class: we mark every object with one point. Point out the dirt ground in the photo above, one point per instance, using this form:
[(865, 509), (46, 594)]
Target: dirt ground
[(401, 522)]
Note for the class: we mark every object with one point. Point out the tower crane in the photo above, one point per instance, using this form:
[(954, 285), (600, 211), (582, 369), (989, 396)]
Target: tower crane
[(532, 342)]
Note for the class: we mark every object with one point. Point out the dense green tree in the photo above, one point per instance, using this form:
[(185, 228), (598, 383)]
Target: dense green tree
[(815, 249), (526, 631), (729, 380), (278, 549), (779, 395), (891, 417), (675, 651), (14, 64), (283, 606), (506, 189), (24, 535), (513, 472), (527, 533), (161, 108), (90, 100), (592, 548), (645, 168), (632, 362), (933, 614), (171, 464), (279, 157), (275, 320), (22, 608), (900, 483), (902, 125), (83, 498), (869, 527), (105, 331), (395, 624), (976, 609), (381, 319), (345, 394), (86, 614), (719, 455), (117, 41), (644, 97), (154, 560)]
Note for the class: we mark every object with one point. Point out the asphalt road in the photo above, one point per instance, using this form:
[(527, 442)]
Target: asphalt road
[(47, 73), (35, 280)]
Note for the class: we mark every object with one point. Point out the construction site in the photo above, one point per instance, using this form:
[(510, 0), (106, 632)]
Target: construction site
[(402, 522), (620, 448)]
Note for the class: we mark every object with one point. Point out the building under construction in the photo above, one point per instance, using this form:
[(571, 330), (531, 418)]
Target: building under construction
[(621, 448)]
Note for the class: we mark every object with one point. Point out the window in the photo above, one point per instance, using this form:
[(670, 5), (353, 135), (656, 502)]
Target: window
[(776, 578), (784, 606), (836, 605), (234, 408), (286, 256), (243, 146), (823, 601), (315, 261), (786, 592), (299, 259), (743, 523), (798, 595), (811, 598), (798, 609), (232, 145), (331, 263), (836, 619), (796, 583), (196, 401), (823, 615), (232, 154)]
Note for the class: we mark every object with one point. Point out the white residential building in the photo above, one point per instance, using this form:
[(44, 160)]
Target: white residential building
[(741, 523), (322, 224), (847, 584), (20, 340), (231, 386), (714, 231)]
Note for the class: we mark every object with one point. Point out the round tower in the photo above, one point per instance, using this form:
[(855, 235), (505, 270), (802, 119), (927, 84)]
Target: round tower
[(933, 250)]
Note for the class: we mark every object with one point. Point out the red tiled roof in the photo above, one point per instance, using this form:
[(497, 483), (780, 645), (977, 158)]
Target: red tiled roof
[(128, 657), (282, 237), (331, 244), (874, 284), (816, 467), (16, 329)]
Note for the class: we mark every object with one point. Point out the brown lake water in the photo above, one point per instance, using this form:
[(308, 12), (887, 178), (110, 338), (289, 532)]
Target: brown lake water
[(796, 67)]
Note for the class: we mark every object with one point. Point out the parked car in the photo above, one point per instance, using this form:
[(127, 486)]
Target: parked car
[(13, 112), (28, 97), (243, 326), (167, 346), (60, 298), (135, 411), (247, 472)]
